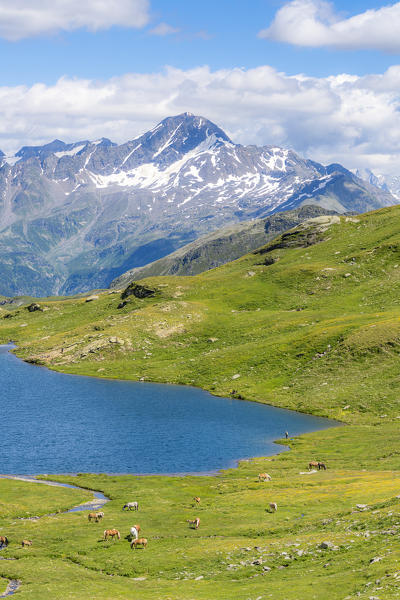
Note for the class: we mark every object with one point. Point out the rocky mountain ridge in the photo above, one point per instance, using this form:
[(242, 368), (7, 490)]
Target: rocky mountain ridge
[(75, 216)]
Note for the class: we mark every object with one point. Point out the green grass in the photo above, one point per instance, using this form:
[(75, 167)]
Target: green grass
[(317, 331)]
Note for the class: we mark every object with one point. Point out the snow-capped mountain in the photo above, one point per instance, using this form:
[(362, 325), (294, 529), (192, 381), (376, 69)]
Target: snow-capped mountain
[(74, 216), (388, 183)]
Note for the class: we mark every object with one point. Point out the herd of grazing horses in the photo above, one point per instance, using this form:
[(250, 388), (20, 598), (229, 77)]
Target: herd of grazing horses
[(135, 540), (314, 464), (114, 534)]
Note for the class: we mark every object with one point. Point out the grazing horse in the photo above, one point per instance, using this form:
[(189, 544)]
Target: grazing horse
[(3, 541), (131, 506), (194, 524), (135, 531), (139, 542), (273, 506), (321, 465), (26, 543), (95, 516), (111, 533), (197, 499), (264, 477), (313, 465)]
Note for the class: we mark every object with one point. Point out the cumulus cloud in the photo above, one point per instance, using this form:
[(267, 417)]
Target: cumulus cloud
[(348, 119), (314, 23), (25, 18), (163, 29)]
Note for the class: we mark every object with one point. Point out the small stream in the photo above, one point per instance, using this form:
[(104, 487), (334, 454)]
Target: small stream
[(99, 500)]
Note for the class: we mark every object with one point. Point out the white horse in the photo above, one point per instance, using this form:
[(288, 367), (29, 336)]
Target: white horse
[(131, 506), (134, 533), (273, 506)]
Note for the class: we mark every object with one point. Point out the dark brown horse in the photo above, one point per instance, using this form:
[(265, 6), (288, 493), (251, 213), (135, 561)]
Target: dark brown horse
[(321, 465)]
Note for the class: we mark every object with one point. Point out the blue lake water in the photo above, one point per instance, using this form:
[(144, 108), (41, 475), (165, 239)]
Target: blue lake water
[(55, 423)]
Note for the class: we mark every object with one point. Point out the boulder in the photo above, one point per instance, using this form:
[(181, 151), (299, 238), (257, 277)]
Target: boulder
[(137, 290), (91, 298), (34, 307), (327, 546)]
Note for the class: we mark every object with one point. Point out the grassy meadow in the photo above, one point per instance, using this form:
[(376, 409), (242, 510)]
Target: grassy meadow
[(312, 323)]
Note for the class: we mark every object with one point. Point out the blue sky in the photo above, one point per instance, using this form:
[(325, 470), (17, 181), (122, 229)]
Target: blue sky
[(218, 33), (319, 76)]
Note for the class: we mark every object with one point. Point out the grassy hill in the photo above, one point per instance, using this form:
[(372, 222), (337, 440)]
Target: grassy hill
[(222, 246), (311, 322)]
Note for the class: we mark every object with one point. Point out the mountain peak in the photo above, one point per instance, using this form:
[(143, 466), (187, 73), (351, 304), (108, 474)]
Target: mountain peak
[(174, 136)]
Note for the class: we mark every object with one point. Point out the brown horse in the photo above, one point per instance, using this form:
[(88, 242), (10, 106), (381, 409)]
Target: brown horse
[(26, 543), (95, 516), (3, 541), (139, 542), (264, 477), (113, 533), (194, 524), (313, 465), (197, 499)]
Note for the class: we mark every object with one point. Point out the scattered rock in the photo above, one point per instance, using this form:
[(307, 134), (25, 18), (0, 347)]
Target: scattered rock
[(347, 275), (212, 340), (327, 546), (116, 340), (91, 298), (362, 506), (34, 307), (122, 304), (375, 560), (258, 561), (236, 376), (199, 577)]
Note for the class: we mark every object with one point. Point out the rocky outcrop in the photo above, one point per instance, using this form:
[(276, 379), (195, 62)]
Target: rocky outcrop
[(137, 290)]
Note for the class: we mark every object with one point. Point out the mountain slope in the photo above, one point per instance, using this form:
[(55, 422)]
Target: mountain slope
[(221, 246), (75, 216)]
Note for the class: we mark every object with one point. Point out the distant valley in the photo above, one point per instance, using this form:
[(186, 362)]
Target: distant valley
[(74, 217)]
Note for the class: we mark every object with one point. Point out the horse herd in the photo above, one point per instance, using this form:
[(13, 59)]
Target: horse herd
[(135, 540), (314, 464)]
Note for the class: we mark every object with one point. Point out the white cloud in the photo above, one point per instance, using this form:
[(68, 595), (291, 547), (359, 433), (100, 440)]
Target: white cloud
[(314, 23), (348, 119), (163, 29), (25, 18)]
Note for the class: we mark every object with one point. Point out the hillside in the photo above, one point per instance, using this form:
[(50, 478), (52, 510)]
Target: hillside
[(75, 216), (317, 303), (221, 246), (310, 321)]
